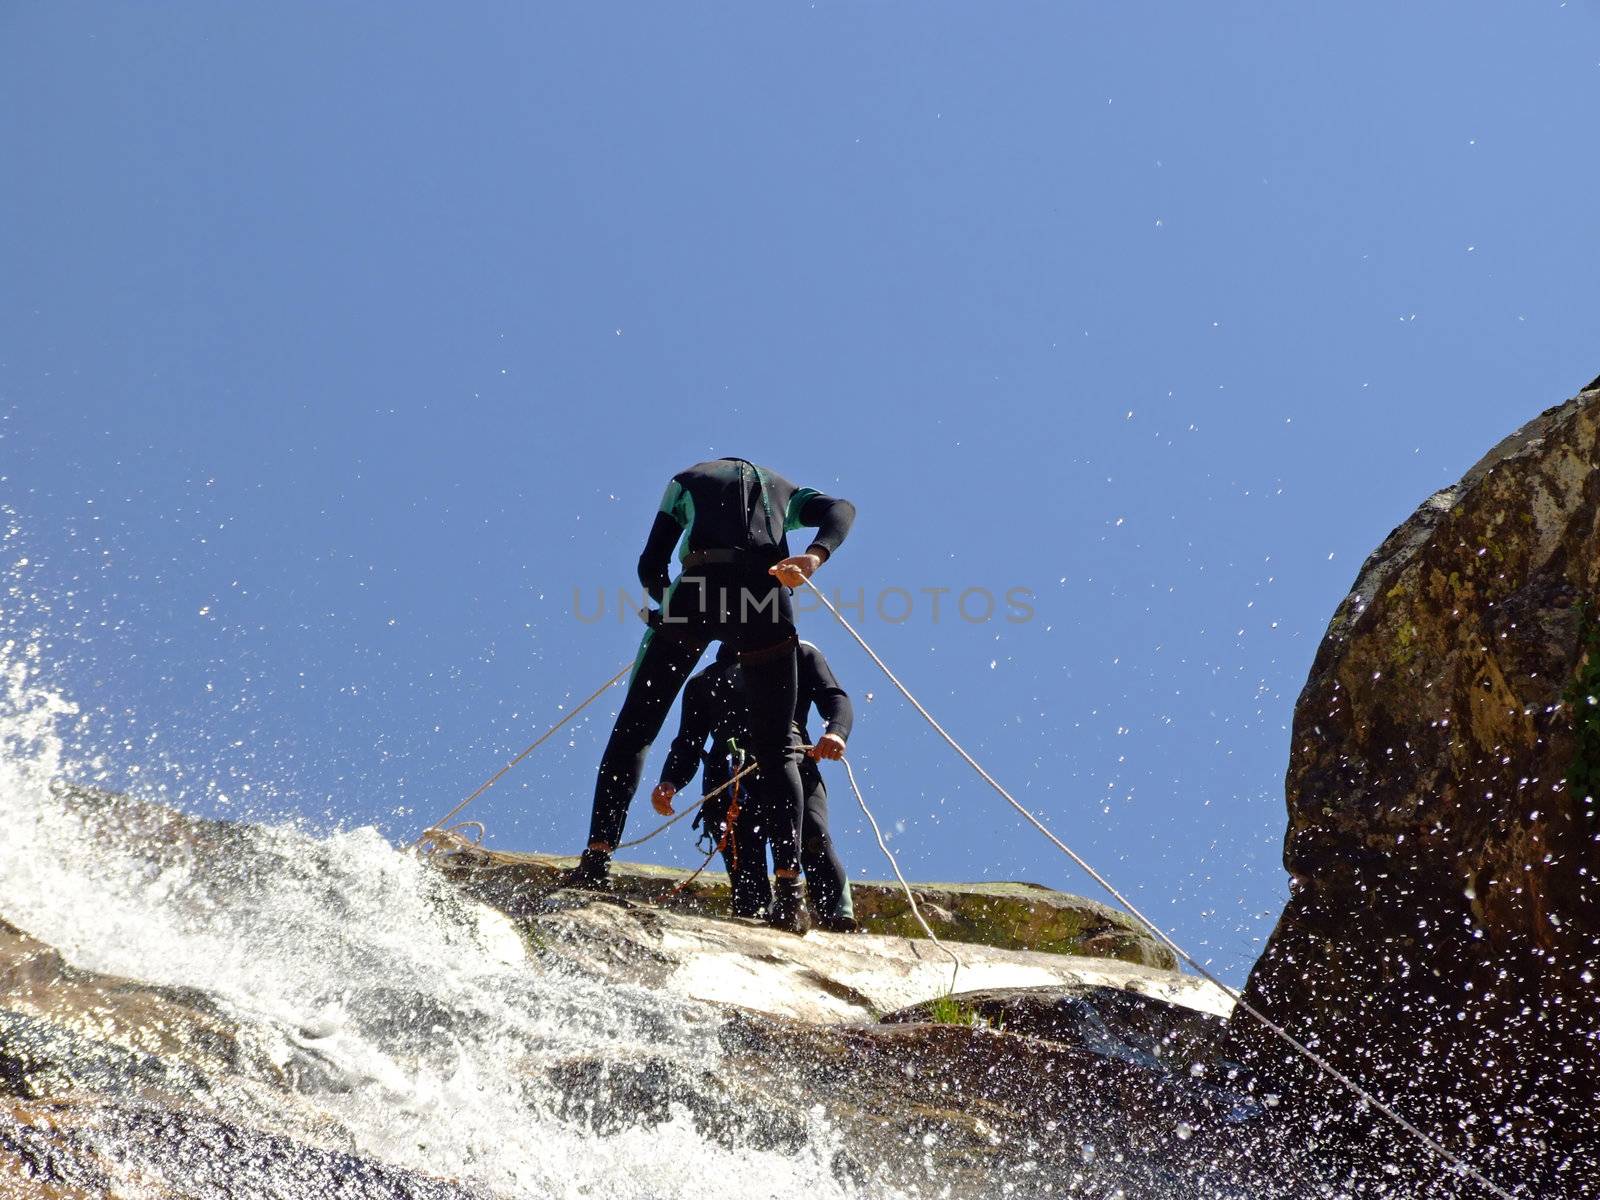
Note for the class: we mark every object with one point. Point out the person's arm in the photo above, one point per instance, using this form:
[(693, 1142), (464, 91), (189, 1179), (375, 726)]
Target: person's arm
[(672, 518), (829, 516), (832, 701), (819, 687)]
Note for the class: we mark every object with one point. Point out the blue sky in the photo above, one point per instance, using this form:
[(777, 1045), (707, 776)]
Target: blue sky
[(340, 343)]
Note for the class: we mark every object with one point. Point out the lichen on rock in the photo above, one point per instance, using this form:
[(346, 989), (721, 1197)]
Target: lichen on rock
[(1006, 916)]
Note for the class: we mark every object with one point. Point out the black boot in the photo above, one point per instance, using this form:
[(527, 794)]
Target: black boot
[(825, 909), (788, 910), (593, 872), (752, 897), (837, 924)]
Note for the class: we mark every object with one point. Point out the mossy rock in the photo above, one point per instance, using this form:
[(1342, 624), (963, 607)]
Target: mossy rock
[(1008, 916)]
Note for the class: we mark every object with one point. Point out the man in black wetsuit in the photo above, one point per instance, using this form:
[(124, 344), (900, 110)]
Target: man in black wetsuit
[(732, 517), (715, 704)]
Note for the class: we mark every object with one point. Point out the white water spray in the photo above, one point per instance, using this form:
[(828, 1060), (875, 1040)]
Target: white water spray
[(415, 1019)]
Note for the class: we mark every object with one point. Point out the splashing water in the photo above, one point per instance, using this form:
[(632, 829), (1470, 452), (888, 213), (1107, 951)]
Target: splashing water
[(417, 1020)]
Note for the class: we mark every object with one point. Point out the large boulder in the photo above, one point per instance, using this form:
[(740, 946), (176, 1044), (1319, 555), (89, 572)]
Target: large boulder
[(1442, 939)]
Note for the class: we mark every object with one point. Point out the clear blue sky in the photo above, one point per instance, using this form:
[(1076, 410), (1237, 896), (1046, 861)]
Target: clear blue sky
[(340, 343)]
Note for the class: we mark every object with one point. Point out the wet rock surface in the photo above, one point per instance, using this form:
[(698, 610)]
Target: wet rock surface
[(1109, 1080), (105, 1085), (912, 1102), (925, 1106), (1113, 1022), (61, 1028), (1442, 939), (97, 1147), (822, 977), (112, 1080), (1006, 916)]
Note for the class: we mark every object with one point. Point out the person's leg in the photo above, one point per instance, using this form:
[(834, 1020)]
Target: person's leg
[(733, 830), (666, 661), (752, 890), (770, 685), (826, 881), (770, 681), (759, 623)]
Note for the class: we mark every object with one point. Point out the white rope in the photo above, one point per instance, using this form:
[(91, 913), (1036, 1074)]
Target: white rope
[(428, 833), (1322, 1064), (904, 886), (693, 808)]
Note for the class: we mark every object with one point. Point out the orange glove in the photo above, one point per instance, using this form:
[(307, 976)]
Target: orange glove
[(661, 798), (829, 745), (795, 569)]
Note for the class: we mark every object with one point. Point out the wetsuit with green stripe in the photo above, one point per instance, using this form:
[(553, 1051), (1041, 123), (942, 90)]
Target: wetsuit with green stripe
[(731, 517), (715, 706)]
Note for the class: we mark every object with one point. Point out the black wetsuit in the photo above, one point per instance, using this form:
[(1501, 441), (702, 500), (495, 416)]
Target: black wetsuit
[(716, 705), (732, 517)]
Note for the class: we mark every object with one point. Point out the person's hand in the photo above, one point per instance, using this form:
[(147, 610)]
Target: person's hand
[(795, 569), (829, 745), (661, 798)]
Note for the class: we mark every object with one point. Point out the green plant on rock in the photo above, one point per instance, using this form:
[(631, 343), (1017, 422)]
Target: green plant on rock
[(947, 1010)]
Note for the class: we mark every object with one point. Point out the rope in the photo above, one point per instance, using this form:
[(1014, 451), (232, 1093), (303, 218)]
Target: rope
[(1317, 1060), (728, 843), (693, 808), (722, 843), (452, 842), (691, 877), (447, 844), (439, 825), (904, 886)]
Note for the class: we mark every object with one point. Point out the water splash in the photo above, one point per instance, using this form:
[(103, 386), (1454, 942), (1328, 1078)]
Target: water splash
[(418, 1022)]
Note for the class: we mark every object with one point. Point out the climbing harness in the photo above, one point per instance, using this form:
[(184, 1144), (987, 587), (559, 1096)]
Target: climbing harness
[(729, 841), (1448, 1156), (716, 844), (730, 824)]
